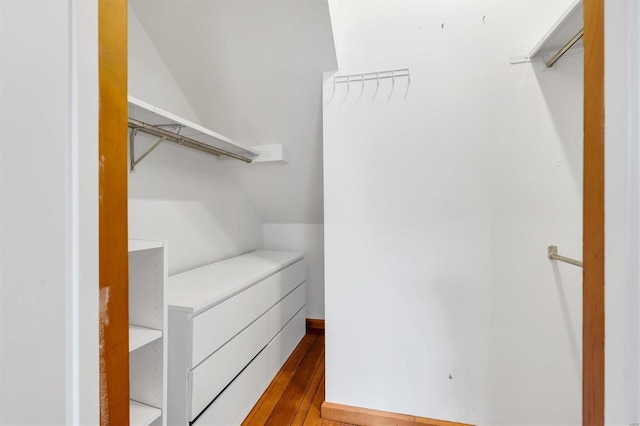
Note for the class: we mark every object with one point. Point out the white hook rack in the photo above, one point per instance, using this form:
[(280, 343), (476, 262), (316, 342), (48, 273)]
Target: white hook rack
[(370, 76)]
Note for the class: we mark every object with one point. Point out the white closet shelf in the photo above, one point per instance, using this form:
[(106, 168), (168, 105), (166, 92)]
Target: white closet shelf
[(168, 127), (140, 336), (561, 32), (268, 154), (564, 29), (149, 114), (142, 414), (138, 245)]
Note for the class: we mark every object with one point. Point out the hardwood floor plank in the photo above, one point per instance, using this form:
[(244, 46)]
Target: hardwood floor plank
[(264, 407), (286, 408), (313, 415), (309, 395)]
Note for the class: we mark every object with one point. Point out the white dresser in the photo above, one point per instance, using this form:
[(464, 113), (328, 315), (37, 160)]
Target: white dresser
[(232, 325)]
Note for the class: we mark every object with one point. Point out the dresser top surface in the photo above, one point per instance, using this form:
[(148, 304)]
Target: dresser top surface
[(198, 289)]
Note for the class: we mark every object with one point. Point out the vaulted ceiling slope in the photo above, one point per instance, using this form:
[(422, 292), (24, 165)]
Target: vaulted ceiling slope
[(252, 70)]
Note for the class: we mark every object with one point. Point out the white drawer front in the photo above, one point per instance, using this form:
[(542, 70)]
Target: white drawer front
[(233, 405), (214, 327), (210, 377)]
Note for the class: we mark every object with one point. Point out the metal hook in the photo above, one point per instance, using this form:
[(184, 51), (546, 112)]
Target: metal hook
[(408, 84), (362, 89), (393, 83), (348, 88), (377, 86)]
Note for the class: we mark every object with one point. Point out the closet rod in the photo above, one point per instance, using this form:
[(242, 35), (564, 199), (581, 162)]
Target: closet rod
[(183, 140), (552, 253), (576, 38)]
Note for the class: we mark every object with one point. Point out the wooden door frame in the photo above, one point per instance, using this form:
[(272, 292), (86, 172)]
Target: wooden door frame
[(113, 238), (593, 361)]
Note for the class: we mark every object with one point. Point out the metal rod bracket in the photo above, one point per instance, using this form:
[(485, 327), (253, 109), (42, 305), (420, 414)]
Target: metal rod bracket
[(135, 161), (167, 136), (552, 253)]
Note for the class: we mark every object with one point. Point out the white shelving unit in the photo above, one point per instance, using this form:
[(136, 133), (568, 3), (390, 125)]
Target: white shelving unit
[(199, 138), (567, 26), (147, 332), (155, 116)]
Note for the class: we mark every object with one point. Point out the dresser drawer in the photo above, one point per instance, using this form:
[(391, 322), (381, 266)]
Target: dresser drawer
[(237, 400), (209, 378), (217, 325)]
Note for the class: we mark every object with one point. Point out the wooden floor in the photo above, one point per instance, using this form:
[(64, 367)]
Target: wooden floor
[(296, 393)]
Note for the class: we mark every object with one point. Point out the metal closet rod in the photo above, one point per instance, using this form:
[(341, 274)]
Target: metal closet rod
[(576, 38), (552, 253), (367, 76), (182, 140)]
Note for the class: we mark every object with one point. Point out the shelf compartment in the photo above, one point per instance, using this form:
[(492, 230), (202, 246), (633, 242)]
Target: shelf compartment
[(142, 414), (140, 336)]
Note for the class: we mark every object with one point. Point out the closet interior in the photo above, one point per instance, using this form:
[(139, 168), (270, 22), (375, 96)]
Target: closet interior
[(427, 185)]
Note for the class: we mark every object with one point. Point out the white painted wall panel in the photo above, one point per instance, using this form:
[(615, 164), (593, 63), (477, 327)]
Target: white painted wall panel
[(438, 212), (48, 212), (308, 238)]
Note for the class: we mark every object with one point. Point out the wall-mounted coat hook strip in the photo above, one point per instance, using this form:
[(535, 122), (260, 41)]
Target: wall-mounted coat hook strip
[(371, 76), (552, 253)]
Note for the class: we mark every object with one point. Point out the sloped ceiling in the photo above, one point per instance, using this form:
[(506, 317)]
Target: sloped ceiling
[(252, 70)]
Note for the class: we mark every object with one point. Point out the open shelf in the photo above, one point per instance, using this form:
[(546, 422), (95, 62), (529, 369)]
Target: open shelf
[(147, 332), (140, 336), (149, 114), (142, 414), (138, 245), (568, 25), (561, 32)]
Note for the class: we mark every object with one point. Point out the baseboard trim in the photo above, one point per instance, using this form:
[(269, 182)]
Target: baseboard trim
[(367, 417), (315, 324)]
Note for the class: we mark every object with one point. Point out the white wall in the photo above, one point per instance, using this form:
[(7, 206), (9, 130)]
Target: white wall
[(252, 70), (622, 207), (308, 238), (440, 301), (48, 212), (181, 195)]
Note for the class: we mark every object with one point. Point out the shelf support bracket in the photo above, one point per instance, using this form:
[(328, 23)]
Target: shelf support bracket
[(132, 154)]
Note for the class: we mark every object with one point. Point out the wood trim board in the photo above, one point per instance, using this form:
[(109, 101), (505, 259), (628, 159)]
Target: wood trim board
[(367, 417), (112, 210), (315, 324), (593, 217)]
